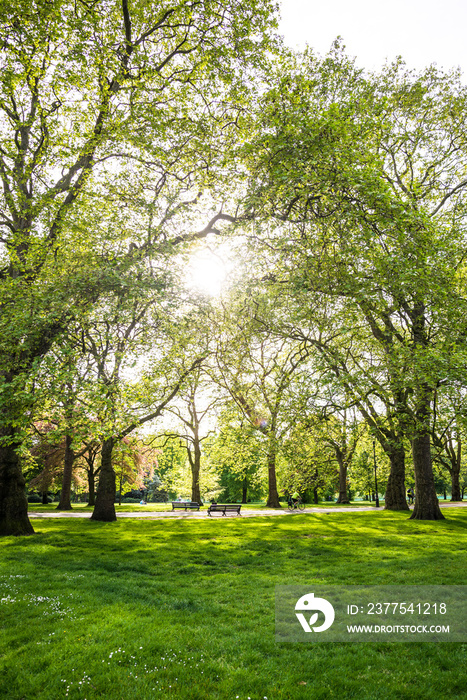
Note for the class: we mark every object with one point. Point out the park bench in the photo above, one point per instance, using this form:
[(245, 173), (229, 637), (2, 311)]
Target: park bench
[(224, 509), (185, 505)]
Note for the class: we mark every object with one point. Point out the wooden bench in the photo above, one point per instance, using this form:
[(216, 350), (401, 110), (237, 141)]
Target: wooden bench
[(185, 505), (224, 509)]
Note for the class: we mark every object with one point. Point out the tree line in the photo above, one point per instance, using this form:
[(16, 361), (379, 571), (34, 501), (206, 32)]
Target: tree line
[(131, 133)]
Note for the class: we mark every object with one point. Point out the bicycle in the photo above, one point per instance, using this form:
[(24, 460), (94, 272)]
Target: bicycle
[(295, 504)]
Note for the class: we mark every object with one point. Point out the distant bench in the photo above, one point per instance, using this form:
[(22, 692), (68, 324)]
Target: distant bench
[(224, 509), (188, 505)]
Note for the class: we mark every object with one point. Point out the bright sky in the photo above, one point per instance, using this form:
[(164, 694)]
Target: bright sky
[(421, 31), (208, 269)]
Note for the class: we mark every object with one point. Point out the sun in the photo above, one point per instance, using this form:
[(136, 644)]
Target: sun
[(207, 272)]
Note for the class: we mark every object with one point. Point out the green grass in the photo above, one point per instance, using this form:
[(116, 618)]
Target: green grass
[(185, 608)]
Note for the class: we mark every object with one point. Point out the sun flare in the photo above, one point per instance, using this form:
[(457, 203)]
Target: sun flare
[(207, 273)]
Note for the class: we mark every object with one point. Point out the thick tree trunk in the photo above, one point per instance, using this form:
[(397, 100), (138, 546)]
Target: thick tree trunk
[(315, 495), (273, 496), (13, 502), (45, 499), (343, 493), (426, 502), (65, 493), (104, 509), (395, 497)]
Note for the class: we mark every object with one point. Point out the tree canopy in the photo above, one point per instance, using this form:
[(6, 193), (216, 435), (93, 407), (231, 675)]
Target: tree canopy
[(131, 132)]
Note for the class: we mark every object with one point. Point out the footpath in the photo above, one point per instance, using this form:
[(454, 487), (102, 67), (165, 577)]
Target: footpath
[(246, 513)]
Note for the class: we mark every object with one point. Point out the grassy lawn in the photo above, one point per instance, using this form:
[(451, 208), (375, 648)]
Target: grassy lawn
[(185, 608)]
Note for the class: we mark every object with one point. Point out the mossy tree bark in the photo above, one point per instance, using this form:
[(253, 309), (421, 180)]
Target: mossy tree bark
[(13, 502), (104, 509), (395, 496), (426, 501)]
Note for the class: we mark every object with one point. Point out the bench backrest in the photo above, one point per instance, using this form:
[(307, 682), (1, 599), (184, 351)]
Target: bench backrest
[(227, 506)]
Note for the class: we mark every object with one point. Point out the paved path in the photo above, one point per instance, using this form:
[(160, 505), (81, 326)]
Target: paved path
[(247, 512)]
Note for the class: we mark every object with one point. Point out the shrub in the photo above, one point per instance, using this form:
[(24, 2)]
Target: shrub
[(134, 493), (35, 498)]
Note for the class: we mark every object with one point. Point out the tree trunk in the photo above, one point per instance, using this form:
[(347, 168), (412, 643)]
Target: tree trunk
[(91, 488), (343, 493), (45, 499), (273, 496), (315, 495), (455, 486), (65, 493), (195, 470), (104, 509), (395, 497), (426, 502), (13, 502), (90, 457), (244, 490)]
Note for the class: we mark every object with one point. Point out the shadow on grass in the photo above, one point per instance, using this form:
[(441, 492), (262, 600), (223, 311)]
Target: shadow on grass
[(195, 600)]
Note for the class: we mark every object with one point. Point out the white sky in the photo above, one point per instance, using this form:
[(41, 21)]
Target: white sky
[(421, 31)]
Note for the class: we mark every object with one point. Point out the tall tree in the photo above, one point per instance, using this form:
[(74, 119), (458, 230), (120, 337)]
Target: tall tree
[(138, 326), (87, 90), (364, 181), (237, 452), (89, 458), (309, 461), (448, 434), (194, 404), (258, 370)]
